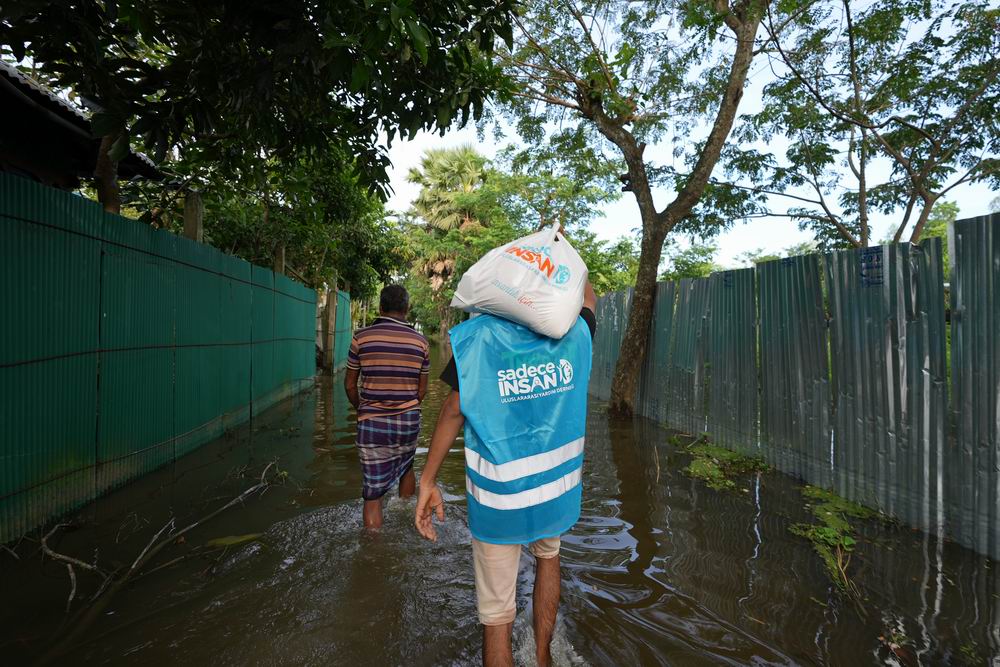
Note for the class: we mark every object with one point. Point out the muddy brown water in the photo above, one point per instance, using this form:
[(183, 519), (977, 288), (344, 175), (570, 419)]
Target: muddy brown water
[(660, 569)]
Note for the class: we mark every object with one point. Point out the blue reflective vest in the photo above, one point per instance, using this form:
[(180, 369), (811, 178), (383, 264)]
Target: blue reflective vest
[(524, 398)]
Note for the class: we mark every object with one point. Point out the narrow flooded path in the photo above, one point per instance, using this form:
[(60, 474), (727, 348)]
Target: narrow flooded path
[(659, 570)]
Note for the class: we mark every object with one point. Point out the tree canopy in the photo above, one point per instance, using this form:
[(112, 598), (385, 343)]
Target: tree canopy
[(259, 78), (610, 77), (882, 108)]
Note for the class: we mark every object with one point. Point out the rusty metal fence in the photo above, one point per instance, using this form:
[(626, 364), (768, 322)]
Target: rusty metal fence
[(834, 369), (122, 348)]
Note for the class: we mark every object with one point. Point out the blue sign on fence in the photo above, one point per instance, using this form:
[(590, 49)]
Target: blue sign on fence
[(871, 260)]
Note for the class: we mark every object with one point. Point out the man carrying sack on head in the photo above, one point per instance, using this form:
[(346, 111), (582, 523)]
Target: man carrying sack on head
[(522, 398)]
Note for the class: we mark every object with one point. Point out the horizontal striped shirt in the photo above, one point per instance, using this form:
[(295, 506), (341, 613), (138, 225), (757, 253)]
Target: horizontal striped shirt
[(391, 357)]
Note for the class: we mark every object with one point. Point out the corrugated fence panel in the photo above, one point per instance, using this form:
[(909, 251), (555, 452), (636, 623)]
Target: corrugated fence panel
[(613, 310), (50, 287), (731, 356), (652, 399), (795, 378), (135, 384), (342, 332), (686, 371), (887, 327), (295, 355), (125, 347), (198, 374), (234, 354), (262, 375), (973, 472)]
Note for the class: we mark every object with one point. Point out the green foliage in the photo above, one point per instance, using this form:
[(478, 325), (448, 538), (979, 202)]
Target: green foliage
[(612, 265), (449, 180), (833, 538), (718, 467), (466, 207), (331, 227), (695, 261), (754, 257), (262, 78), (885, 107), (943, 215)]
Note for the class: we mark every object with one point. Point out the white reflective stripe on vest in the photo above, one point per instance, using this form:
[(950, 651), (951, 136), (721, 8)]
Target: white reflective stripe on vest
[(528, 498), (529, 465)]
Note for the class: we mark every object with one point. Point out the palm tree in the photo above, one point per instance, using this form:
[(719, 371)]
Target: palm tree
[(447, 176), (448, 180)]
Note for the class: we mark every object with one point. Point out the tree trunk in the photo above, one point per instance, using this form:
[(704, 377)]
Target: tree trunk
[(636, 338), (106, 176), (656, 226), (925, 213), (447, 312)]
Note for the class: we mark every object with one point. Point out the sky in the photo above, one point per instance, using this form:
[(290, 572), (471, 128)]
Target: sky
[(621, 218)]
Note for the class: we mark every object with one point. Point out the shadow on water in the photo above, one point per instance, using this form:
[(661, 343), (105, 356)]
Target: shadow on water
[(659, 570)]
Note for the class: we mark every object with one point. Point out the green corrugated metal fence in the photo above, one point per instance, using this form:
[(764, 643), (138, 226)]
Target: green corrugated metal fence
[(731, 360), (795, 378), (123, 348), (848, 379), (342, 331), (685, 371), (972, 480), (887, 331)]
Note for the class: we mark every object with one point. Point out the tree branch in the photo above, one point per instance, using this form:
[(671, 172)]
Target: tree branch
[(593, 45)]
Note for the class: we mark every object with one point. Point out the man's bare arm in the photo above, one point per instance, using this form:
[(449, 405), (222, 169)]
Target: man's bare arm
[(429, 501), (589, 297), (351, 386), (422, 387)]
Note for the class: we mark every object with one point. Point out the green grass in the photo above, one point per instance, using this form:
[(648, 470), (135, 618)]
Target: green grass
[(833, 537), (718, 467)]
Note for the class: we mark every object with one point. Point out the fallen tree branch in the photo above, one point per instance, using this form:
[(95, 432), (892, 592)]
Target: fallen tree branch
[(112, 584)]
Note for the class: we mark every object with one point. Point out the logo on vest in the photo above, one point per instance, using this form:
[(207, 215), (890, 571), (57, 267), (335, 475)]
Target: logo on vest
[(529, 381)]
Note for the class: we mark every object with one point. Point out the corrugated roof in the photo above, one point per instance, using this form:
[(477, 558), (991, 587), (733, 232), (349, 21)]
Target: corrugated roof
[(48, 99)]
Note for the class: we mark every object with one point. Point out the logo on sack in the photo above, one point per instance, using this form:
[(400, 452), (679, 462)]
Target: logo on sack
[(562, 275), (540, 258), (529, 381)]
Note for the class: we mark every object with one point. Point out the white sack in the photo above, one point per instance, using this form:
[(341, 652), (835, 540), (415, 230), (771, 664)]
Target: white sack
[(536, 281)]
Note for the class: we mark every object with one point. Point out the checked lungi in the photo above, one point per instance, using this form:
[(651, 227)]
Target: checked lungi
[(385, 449)]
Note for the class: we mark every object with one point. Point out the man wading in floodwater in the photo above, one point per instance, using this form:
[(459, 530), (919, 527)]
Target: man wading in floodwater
[(523, 400), (393, 362)]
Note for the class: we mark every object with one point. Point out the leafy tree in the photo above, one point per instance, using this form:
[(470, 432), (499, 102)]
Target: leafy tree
[(938, 222), (242, 80), (328, 227), (995, 205), (755, 257), (518, 194), (885, 107), (448, 179), (611, 77), (695, 261), (612, 265)]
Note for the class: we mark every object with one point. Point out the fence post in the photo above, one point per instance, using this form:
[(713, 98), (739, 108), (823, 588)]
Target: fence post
[(279, 260), (194, 213)]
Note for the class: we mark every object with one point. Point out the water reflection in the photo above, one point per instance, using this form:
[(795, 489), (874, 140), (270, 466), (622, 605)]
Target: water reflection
[(659, 570)]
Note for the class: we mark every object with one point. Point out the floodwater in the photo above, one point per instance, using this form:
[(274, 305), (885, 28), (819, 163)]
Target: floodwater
[(659, 570)]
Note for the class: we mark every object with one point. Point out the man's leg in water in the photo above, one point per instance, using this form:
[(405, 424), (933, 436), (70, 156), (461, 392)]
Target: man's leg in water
[(545, 596), (372, 514), (497, 650), (496, 588), (407, 484)]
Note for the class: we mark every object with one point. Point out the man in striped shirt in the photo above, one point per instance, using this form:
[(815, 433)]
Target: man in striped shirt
[(393, 362)]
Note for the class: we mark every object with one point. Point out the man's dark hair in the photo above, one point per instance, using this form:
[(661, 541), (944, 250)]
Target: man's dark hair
[(393, 299)]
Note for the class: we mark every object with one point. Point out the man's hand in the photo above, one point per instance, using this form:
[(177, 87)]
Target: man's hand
[(429, 502)]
